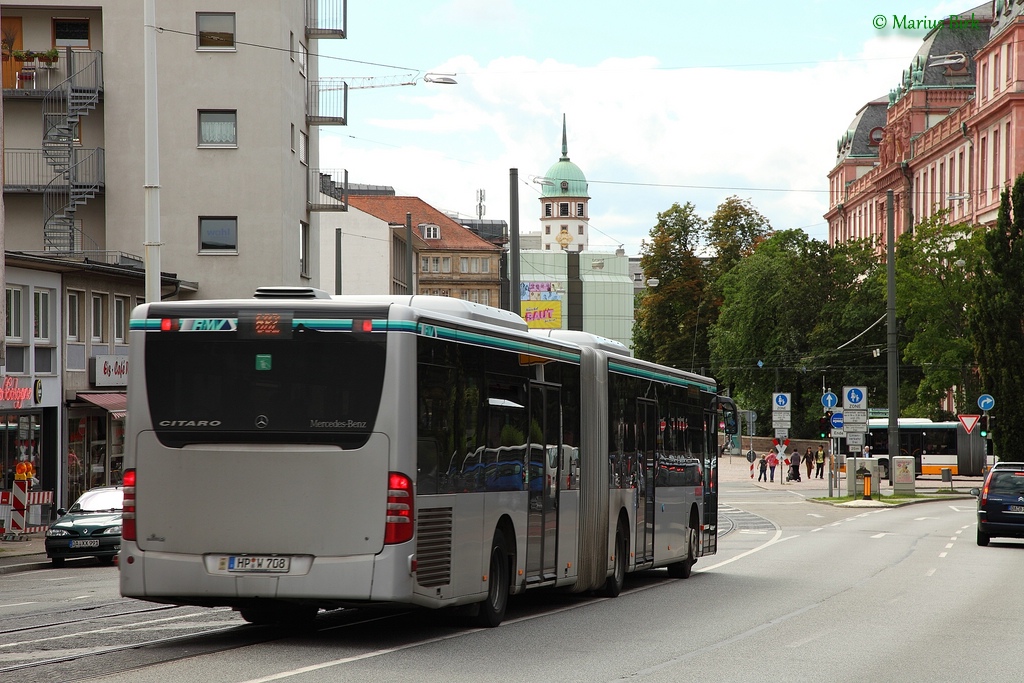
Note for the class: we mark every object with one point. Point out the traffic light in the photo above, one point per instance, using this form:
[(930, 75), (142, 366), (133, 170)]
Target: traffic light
[(824, 422), (983, 426)]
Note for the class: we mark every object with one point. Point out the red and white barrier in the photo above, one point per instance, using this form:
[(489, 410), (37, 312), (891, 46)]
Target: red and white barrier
[(22, 499)]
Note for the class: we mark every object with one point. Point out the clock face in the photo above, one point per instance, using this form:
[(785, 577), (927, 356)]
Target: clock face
[(565, 185)]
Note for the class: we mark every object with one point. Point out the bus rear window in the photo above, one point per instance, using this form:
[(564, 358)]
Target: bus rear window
[(314, 387)]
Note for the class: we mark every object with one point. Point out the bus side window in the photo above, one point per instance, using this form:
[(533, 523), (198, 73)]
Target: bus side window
[(426, 466)]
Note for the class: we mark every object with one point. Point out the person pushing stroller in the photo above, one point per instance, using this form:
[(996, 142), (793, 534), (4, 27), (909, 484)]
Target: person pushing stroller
[(793, 474)]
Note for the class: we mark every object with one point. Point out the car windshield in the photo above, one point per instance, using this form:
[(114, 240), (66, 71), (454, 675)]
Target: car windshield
[(101, 500), (1007, 483)]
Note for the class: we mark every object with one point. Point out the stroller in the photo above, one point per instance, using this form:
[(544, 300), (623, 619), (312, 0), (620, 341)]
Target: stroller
[(793, 473)]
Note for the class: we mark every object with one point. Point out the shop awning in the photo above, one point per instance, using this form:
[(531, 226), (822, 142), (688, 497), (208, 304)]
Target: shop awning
[(116, 403)]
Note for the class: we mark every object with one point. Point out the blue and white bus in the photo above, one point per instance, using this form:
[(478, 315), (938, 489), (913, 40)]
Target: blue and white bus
[(935, 446), (299, 451)]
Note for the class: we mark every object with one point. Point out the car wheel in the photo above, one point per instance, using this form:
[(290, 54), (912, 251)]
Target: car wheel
[(983, 538), (492, 610)]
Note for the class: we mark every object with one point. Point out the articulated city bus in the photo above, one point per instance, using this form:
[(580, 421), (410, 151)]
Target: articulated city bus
[(935, 446), (298, 451)]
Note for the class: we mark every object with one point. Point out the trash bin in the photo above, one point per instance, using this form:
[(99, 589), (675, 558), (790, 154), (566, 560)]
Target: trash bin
[(947, 474)]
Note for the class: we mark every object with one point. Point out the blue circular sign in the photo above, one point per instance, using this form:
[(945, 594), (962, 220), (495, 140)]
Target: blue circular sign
[(986, 402), (829, 400), (855, 395), (837, 420), (781, 400)]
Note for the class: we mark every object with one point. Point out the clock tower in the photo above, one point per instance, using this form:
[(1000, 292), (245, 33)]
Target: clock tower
[(564, 210)]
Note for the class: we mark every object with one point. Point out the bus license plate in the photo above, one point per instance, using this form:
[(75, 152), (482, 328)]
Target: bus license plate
[(1017, 508), (259, 564), (85, 543)]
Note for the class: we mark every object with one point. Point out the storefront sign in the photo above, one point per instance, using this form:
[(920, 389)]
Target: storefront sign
[(542, 314), (10, 391), (108, 371)]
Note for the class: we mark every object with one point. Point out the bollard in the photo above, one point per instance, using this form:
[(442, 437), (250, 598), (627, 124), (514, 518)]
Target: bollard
[(867, 485)]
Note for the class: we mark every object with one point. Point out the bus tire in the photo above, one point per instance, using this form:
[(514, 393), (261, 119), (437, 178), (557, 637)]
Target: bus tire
[(492, 610), (614, 583), (684, 568), (983, 538), (295, 616)]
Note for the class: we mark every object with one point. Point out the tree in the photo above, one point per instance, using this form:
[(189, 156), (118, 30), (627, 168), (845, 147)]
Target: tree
[(932, 291), (996, 317), (734, 230), (666, 313)]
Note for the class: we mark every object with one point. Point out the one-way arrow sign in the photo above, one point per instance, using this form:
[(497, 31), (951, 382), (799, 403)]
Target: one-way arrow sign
[(968, 421)]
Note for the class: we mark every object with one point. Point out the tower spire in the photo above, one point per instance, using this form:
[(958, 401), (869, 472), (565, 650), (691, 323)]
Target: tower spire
[(565, 146)]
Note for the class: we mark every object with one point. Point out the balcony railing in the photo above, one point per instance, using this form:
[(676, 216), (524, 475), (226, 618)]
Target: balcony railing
[(27, 170), (327, 18), (327, 103), (327, 189)]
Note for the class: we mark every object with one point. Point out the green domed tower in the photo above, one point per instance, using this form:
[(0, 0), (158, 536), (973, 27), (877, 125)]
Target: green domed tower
[(564, 204)]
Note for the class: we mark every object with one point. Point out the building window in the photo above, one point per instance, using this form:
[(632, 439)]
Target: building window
[(303, 249), (464, 265), (71, 33), (579, 209), (548, 247), (579, 230), (218, 234), (303, 54), (41, 315), (563, 209), (303, 148), (16, 359), (547, 229), (215, 31), (435, 264), (446, 265), (120, 322), (485, 265), (218, 129), (14, 313), (547, 210), (431, 232), (485, 297), (99, 311), (425, 264), (44, 359), (72, 316)]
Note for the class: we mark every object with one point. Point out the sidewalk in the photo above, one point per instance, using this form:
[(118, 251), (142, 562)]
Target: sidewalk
[(24, 555)]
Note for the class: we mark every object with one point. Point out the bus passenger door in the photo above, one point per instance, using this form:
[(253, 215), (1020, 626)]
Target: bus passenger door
[(545, 446), (646, 447), (709, 535)]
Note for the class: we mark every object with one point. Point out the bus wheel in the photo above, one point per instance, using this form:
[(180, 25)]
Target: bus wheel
[(492, 610), (683, 569), (295, 616), (613, 585)]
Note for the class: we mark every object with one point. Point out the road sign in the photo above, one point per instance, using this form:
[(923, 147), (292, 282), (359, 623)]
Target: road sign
[(855, 397), (853, 439), (838, 433), (782, 423), (836, 420), (782, 434), (780, 402), (986, 402), (829, 400), (968, 421), (852, 417)]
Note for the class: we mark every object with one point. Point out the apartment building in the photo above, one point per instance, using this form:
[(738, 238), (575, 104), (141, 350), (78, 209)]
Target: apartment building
[(239, 106)]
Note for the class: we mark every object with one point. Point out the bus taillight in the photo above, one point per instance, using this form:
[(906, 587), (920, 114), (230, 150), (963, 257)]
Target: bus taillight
[(128, 513), (400, 509)]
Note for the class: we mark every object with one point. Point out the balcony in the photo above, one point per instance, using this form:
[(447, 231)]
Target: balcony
[(327, 103), (327, 189), (326, 18), (34, 78), (28, 171)]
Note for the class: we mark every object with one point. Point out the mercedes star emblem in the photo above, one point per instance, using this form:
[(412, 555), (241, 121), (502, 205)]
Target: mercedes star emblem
[(262, 421)]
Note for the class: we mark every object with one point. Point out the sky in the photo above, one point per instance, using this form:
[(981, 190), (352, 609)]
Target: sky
[(665, 102)]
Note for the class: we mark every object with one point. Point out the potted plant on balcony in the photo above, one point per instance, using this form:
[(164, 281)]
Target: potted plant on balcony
[(48, 58), (7, 40), (23, 55)]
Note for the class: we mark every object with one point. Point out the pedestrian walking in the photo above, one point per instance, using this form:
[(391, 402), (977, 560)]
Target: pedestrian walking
[(762, 468), (773, 462), (819, 463), (794, 466), (808, 461)]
